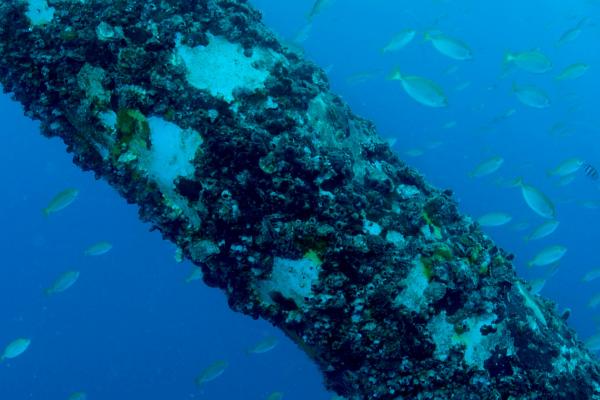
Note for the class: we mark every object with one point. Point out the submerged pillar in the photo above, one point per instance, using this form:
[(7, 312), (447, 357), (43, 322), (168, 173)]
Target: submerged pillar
[(234, 148)]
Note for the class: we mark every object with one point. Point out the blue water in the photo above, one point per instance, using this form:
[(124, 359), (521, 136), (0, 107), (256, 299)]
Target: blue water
[(131, 328)]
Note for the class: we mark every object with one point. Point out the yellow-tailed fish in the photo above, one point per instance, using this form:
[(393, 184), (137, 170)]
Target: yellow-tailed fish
[(212, 372), (494, 219), (15, 348), (591, 275), (531, 96), (566, 167), (78, 396), (573, 71), (487, 167), (531, 61), (421, 89), (275, 396), (263, 346), (400, 40), (544, 230), (97, 249), (449, 46), (536, 200), (548, 256), (64, 282), (61, 201)]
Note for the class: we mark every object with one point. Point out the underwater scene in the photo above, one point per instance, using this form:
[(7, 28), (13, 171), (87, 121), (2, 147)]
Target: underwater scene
[(494, 103)]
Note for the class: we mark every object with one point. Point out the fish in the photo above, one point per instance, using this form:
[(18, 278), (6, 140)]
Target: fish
[(566, 180), (494, 219), (590, 204), (573, 71), (448, 46), (536, 200), (318, 7), (399, 41), (64, 282), (520, 226), (15, 348), (361, 77), (451, 69), (263, 346), (302, 35), (487, 167), (544, 230), (97, 249), (593, 342), (78, 396), (594, 301), (537, 285), (449, 125), (591, 171), (462, 86), (195, 275), (567, 167), (531, 96), (548, 256), (61, 201), (275, 396), (591, 275), (212, 372), (573, 33), (531, 61), (414, 152), (420, 89), (178, 256)]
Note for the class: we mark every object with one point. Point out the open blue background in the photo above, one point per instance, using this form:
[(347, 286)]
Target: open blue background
[(132, 328)]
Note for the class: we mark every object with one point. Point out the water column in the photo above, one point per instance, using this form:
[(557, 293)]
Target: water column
[(232, 146)]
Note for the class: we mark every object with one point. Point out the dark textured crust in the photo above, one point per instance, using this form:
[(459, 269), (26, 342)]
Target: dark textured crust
[(411, 301)]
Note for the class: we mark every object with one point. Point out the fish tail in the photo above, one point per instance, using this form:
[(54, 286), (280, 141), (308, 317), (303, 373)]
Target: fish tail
[(395, 75), (427, 36), (46, 212), (517, 182)]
